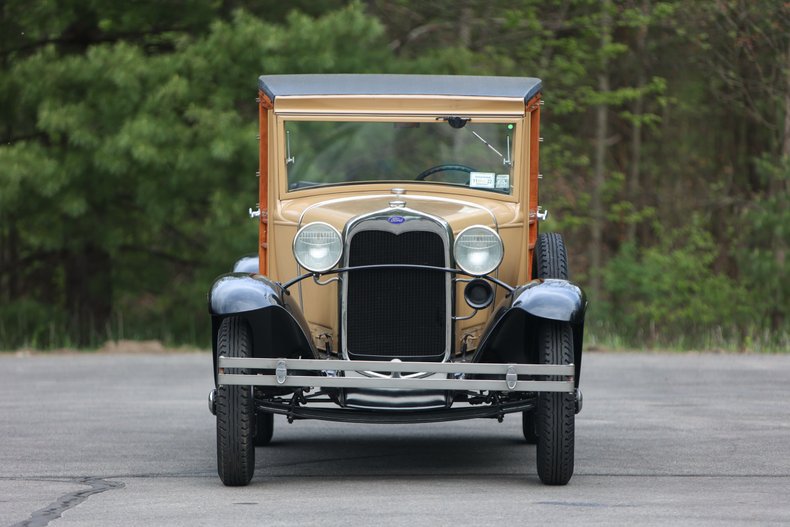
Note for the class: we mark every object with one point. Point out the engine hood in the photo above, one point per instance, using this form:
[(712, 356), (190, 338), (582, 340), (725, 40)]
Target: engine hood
[(456, 211), (459, 209)]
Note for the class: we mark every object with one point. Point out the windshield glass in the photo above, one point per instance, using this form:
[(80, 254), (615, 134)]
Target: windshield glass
[(449, 150)]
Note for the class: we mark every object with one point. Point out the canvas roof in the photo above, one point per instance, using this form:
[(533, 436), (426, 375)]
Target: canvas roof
[(385, 84)]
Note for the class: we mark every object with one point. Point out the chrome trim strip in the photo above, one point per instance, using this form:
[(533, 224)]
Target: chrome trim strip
[(340, 270), (409, 197), (399, 383), (507, 383), (451, 270), (481, 368)]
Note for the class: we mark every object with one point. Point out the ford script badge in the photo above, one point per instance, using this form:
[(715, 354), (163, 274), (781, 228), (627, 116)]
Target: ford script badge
[(396, 219)]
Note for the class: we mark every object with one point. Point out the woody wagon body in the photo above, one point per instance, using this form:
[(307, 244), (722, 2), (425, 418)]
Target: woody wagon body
[(400, 276)]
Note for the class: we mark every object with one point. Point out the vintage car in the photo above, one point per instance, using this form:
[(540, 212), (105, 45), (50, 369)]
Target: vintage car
[(399, 275)]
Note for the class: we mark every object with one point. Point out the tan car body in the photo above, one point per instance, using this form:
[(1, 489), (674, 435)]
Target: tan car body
[(514, 216), (381, 330)]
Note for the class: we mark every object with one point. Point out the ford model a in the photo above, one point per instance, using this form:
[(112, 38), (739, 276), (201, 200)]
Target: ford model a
[(400, 276)]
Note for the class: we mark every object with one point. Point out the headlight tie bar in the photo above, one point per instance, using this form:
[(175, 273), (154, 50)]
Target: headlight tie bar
[(451, 270)]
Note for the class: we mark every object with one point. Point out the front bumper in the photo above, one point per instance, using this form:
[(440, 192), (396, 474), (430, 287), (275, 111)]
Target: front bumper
[(472, 390), (290, 373)]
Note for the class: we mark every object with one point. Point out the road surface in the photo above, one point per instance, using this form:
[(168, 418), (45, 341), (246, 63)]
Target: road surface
[(664, 439)]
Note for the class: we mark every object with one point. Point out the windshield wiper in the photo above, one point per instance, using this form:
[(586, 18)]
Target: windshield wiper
[(505, 160), (460, 122)]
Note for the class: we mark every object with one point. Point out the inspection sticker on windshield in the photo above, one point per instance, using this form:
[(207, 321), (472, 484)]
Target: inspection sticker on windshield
[(481, 179), (503, 181)]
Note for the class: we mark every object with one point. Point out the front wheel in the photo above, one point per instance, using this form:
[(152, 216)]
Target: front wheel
[(550, 260), (235, 410), (264, 428), (528, 427), (556, 411)]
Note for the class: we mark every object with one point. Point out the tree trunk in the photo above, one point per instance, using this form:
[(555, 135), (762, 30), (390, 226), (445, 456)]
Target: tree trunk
[(601, 133), (88, 294), (5, 268), (786, 142), (9, 261), (780, 188), (634, 190)]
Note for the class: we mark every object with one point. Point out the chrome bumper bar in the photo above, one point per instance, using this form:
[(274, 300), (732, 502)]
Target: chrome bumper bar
[(329, 374)]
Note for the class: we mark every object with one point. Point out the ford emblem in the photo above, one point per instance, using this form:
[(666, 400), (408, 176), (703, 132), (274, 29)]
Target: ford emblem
[(396, 219)]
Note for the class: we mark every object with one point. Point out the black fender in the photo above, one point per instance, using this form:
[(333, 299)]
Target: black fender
[(246, 264), (279, 328), (511, 333)]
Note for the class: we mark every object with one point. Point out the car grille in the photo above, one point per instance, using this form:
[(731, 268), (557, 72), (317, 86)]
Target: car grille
[(396, 313)]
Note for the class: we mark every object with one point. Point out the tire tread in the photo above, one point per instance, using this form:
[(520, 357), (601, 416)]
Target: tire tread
[(556, 412), (235, 410), (550, 261)]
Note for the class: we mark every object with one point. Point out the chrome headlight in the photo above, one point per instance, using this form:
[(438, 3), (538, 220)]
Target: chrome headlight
[(478, 250), (318, 247)]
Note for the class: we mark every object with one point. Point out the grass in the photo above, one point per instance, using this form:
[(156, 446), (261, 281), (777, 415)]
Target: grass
[(26, 331), (603, 337)]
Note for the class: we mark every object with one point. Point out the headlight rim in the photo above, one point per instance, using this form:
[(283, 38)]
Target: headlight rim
[(496, 235), (302, 229)]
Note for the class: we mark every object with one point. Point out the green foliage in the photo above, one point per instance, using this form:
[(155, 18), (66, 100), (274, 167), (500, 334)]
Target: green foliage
[(670, 292), (762, 249), (128, 152), (146, 162)]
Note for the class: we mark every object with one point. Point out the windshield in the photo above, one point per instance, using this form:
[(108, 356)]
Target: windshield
[(448, 150)]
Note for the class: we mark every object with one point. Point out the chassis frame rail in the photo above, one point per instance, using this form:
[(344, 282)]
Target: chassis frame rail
[(494, 410), (329, 374)]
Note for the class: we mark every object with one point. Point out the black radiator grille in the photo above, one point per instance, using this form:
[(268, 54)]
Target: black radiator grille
[(396, 313)]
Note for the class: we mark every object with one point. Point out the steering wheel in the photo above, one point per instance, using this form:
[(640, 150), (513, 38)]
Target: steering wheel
[(446, 167)]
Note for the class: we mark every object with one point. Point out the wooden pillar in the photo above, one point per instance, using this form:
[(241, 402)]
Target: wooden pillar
[(533, 116), (264, 108)]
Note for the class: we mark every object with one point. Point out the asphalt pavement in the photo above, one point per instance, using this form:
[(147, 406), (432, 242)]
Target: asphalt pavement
[(663, 439)]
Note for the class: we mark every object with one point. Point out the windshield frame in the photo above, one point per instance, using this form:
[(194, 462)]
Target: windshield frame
[(517, 157)]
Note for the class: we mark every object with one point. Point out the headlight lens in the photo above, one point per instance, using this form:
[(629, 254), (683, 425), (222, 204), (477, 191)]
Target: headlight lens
[(318, 247), (478, 250)]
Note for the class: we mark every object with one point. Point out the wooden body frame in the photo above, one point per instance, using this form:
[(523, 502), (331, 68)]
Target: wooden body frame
[(533, 114), (265, 107)]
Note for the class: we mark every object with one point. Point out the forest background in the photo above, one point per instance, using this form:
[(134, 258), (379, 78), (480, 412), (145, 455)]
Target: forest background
[(128, 152)]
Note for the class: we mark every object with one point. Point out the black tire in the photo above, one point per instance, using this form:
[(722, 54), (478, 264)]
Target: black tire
[(528, 427), (235, 410), (556, 412), (264, 428), (550, 258), (550, 261)]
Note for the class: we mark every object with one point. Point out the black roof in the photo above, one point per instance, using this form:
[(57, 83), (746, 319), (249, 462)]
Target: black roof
[(375, 84)]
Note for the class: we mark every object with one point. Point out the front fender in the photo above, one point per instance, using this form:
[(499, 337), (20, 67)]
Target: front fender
[(234, 293), (510, 335), (247, 264), (279, 328), (552, 299)]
